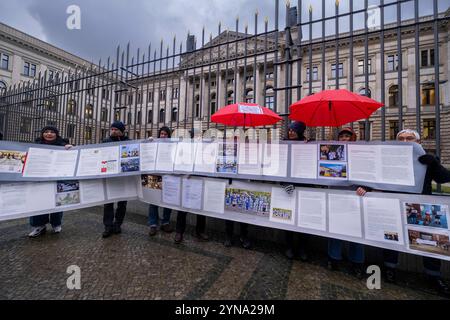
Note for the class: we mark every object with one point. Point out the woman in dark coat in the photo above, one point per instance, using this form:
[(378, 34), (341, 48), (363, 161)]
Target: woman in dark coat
[(49, 136)]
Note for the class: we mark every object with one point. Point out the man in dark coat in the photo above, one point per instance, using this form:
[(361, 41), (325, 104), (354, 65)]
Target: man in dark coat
[(113, 222)]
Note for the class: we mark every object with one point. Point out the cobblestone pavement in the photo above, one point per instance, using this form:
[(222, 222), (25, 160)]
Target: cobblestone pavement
[(134, 266)]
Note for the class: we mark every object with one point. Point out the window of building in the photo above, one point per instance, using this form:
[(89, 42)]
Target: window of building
[(392, 62), (89, 111), (25, 125), (197, 107), (104, 114), (270, 98), (129, 118), (362, 92), (71, 131), (361, 67), (72, 107), (269, 75), (162, 116), (174, 114), (150, 96), (150, 116), (175, 93), (213, 84), (139, 98), (50, 104), (29, 69), (427, 58), (139, 117), (428, 95), (130, 99), (429, 129), (315, 74), (213, 106), (50, 74), (88, 133), (2, 87), (249, 78), (230, 97), (4, 61), (393, 96), (105, 94), (162, 95), (249, 96), (117, 116), (394, 129), (105, 133), (362, 131), (340, 70), (230, 81)]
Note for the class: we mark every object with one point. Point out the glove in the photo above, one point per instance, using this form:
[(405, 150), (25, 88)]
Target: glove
[(289, 188), (427, 160)]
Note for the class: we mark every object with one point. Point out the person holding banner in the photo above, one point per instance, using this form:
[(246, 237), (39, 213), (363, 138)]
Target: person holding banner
[(113, 222), (296, 133), (356, 250), (49, 136), (435, 171), (153, 214)]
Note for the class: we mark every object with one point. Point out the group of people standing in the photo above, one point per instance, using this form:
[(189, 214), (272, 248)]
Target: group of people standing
[(113, 220)]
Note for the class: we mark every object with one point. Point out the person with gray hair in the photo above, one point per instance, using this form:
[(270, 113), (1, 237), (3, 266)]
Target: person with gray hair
[(435, 172)]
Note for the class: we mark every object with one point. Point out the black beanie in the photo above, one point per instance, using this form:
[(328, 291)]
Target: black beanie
[(51, 128), (118, 125)]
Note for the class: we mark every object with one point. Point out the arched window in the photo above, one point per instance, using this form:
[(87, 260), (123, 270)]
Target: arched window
[(2, 87), (162, 116), (362, 92), (197, 106), (174, 114), (249, 96), (72, 107), (89, 111), (230, 97), (393, 96), (150, 116), (270, 98), (213, 105)]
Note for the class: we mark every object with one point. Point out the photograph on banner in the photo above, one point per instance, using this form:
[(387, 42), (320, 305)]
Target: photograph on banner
[(151, 181), (248, 201), (333, 152), (427, 215), (67, 193), (333, 170), (129, 158), (429, 240), (12, 161), (282, 206), (227, 161)]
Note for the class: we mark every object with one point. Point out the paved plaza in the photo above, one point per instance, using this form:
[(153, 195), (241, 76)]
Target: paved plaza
[(134, 266)]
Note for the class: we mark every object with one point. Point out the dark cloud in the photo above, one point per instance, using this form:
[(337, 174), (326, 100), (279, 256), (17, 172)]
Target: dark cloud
[(108, 23)]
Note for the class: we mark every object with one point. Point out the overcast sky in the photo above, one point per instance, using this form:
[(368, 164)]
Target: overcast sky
[(108, 23)]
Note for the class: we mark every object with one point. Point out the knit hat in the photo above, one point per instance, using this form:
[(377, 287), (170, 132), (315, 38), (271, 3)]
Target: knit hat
[(50, 128), (118, 125), (299, 128)]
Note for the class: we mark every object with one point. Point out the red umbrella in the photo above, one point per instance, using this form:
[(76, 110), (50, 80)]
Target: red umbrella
[(333, 108), (245, 115)]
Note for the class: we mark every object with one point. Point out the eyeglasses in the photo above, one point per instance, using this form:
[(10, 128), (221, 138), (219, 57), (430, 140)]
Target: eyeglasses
[(407, 138)]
